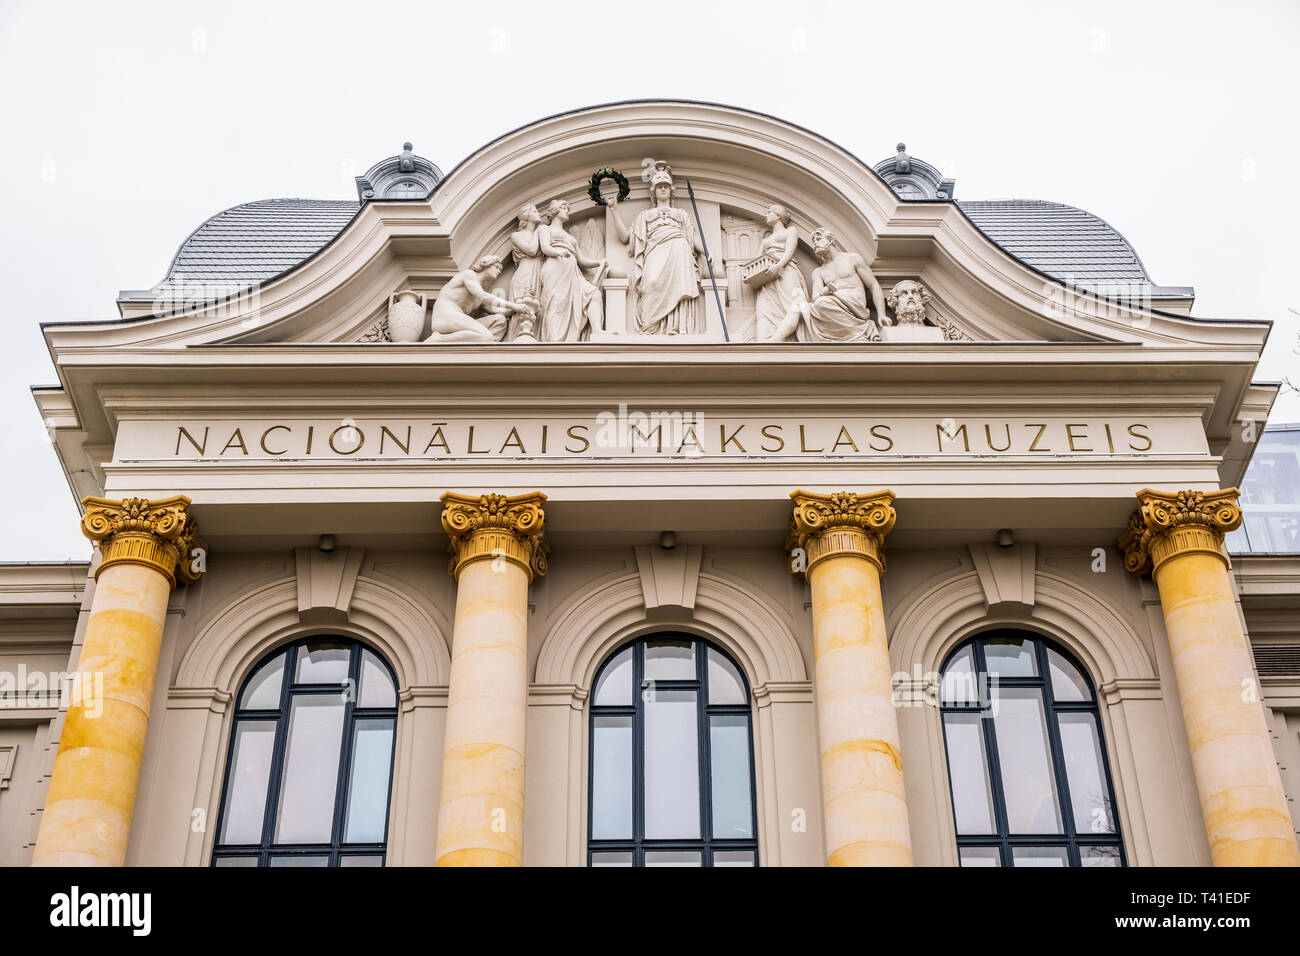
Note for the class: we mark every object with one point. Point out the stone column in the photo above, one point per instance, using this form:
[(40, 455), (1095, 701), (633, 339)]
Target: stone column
[(145, 548), (497, 548), (1178, 537), (839, 541)]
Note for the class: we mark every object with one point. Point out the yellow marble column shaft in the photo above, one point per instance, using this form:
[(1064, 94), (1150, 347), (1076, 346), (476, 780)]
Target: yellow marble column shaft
[(1178, 536), (864, 804), (144, 548), (497, 548)]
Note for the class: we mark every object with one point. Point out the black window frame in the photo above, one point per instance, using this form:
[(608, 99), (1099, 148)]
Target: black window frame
[(336, 849), (707, 845), (1005, 841)]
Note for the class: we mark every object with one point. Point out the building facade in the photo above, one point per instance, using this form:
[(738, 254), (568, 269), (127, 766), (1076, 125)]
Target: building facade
[(661, 486)]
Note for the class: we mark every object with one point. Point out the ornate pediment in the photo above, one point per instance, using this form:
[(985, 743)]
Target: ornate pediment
[(714, 240), (638, 264)]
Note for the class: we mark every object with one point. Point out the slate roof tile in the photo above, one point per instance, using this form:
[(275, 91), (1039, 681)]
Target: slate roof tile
[(1067, 243)]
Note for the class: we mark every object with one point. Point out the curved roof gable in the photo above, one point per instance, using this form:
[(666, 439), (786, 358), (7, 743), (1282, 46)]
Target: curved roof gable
[(253, 243), (319, 268)]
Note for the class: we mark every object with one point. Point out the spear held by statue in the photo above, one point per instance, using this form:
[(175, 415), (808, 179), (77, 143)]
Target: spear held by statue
[(722, 317)]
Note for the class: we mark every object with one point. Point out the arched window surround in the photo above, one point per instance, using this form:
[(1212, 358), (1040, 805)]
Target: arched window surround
[(354, 687), (638, 849), (1069, 836)]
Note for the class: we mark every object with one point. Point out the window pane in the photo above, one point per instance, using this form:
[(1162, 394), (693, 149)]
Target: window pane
[(300, 860), (376, 686), (372, 761), (1099, 855), (611, 777), (972, 798), (959, 686), (733, 858), (357, 859), (250, 770), (1067, 683), (614, 689), (725, 684), (980, 856), (672, 770), (311, 767), (1039, 856), (670, 659), (1089, 798), (672, 857), (263, 689), (1010, 657), (1023, 752), (235, 861), (733, 817), (620, 858), (323, 662)]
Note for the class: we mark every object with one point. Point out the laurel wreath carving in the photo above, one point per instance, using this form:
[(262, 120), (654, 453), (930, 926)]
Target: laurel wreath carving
[(599, 176)]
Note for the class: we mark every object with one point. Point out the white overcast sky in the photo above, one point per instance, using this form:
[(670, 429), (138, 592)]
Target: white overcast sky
[(125, 125)]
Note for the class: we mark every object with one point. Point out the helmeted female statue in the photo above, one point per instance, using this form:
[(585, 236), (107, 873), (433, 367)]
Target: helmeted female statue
[(663, 244)]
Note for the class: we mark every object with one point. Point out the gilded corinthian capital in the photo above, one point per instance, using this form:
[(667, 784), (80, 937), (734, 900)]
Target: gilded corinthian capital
[(1169, 523), (841, 523), (496, 526), (157, 534)]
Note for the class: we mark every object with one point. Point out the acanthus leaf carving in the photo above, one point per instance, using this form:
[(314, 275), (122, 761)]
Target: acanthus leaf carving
[(158, 534), (1168, 523), (493, 526), (842, 522)]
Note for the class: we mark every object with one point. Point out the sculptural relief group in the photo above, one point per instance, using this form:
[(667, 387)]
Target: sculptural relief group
[(557, 291)]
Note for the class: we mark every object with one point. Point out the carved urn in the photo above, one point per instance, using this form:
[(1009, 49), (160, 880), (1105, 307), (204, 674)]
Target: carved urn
[(406, 316)]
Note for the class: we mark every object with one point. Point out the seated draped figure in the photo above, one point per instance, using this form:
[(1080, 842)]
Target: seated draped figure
[(837, 308)]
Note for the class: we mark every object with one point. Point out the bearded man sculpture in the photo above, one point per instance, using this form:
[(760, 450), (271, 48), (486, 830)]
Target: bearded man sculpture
[(838, 309), (908, 299)]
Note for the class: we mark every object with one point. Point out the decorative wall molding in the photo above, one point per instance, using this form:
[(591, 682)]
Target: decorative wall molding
[(669, 579), (326, 581), (377, 332), (943, 612), (614, 611), (1006, 574), (234, 637), (8, 757)]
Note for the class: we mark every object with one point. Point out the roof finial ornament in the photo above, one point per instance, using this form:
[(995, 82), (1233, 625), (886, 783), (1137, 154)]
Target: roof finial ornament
[(404, 176), (902, 162)]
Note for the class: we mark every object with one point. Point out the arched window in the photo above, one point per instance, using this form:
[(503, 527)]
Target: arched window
[(1028, 771), (311, 759), (672, 766)]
